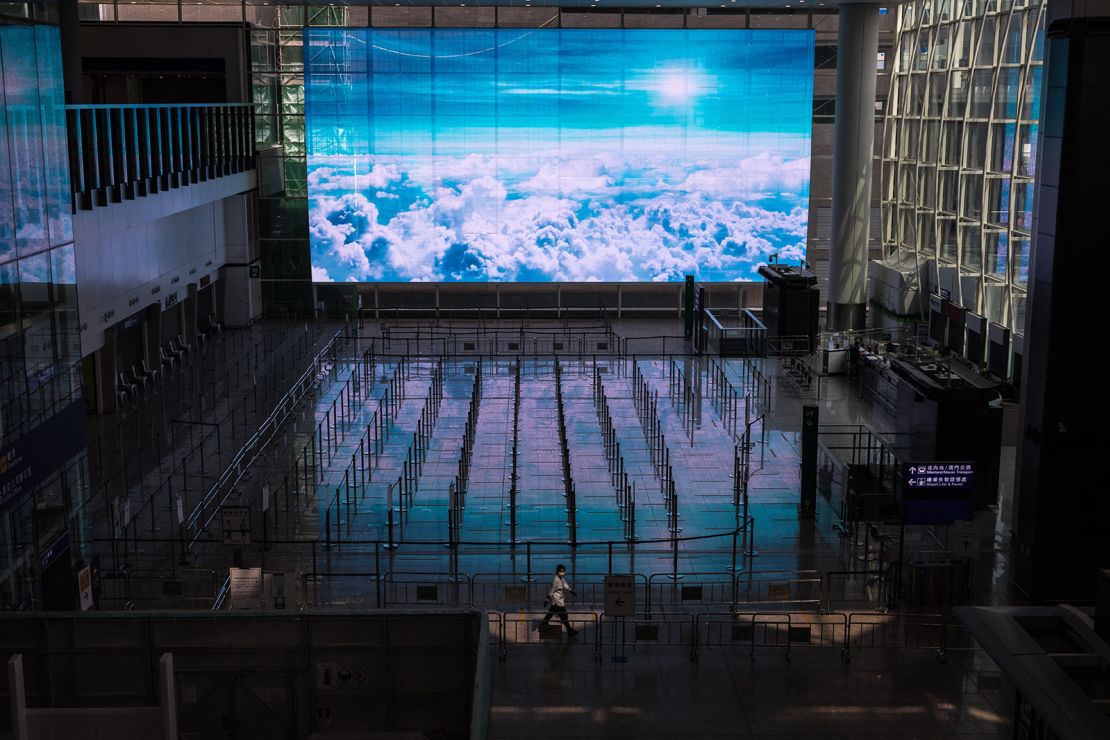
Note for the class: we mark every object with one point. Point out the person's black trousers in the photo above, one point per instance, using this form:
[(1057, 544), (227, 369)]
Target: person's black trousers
[(562, 612)]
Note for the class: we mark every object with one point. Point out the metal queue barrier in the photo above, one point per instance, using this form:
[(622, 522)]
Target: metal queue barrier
[(494, 343), (569, 488), (427, 589), (647, 408), (519, 629), (802, 590), (618, 473), (773, 629), (491, 589), (343, 417), (178, 490), (751, 632), (658, 594), (206, 509)]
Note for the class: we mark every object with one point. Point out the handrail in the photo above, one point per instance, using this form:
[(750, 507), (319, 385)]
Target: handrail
[(222, 595), (239, 464), (120, 152), (151, 106)]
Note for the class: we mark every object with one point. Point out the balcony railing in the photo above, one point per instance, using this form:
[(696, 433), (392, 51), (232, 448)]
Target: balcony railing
[(120, 152)]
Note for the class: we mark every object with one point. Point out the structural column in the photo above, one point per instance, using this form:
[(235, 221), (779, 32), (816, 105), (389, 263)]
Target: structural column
[(853, 145), (1062, 529), (69, 33)]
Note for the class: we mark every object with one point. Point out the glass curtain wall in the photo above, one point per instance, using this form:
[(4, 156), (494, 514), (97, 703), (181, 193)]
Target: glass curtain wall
[(43, 481), (277, 84), (959, 152)]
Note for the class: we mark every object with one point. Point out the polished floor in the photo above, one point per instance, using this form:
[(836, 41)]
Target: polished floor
[(560, 691)]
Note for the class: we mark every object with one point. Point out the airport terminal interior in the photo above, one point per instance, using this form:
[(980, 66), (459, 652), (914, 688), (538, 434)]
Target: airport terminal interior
[(509, 369)]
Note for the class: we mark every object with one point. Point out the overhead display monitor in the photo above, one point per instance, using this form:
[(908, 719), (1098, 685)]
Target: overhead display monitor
[(998, 358), (957, 316), (975, 351), (539, 155), (938, 315)]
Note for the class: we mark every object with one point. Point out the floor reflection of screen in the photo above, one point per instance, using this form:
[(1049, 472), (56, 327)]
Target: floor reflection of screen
[(556, 154)]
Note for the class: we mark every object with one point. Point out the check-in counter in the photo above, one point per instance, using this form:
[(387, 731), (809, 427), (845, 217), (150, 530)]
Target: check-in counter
[(951, 412)]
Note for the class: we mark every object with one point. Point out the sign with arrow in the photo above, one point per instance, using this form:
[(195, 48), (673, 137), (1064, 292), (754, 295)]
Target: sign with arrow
[(946, 476), (964, 540), (620, 595)]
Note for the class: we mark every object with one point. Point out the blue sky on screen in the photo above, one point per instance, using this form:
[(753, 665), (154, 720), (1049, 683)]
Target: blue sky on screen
[(556, 154)]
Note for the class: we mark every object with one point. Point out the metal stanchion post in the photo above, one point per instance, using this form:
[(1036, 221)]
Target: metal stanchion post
[(528, 564)]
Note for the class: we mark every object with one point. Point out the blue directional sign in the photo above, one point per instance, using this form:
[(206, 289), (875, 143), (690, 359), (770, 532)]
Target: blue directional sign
[(938, 492), (944, 476)]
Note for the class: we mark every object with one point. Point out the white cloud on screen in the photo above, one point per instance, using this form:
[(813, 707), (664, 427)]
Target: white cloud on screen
[(563, 222)]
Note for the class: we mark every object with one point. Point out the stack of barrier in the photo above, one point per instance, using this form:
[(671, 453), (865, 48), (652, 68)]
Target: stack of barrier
[(625, 490), (385, 414), (564, 446), (337, 420), (417, 453), (724, 395), (647, 408), (513, 475), (754, 384), (457, 489), (369, 364), (681, 391), (359, 471), (800, 374)]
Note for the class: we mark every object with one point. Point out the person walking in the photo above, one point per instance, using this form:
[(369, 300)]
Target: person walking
[(556, 598)]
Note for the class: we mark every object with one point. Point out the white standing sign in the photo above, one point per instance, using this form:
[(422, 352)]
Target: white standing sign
[(620, 595), (246, 588), (265, 497), (84, 588)]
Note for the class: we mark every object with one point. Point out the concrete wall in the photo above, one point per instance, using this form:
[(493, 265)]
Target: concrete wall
[(142, 252), (268, 674)]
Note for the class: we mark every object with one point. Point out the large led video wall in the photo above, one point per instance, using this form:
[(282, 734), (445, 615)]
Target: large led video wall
[(556, 154)]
